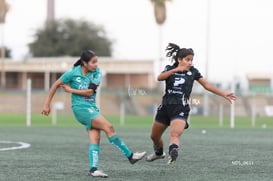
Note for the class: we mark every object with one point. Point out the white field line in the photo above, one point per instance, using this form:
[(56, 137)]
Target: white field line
[(21, 145)]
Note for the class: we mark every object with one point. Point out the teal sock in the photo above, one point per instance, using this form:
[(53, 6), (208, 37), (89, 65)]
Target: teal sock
[(117, 141), (94, 153)]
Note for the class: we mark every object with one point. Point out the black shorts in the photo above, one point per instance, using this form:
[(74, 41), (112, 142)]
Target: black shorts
[(166, 113)]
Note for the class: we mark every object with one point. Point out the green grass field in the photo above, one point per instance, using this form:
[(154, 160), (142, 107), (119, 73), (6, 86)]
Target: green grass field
[(132, 120), (61, 152)]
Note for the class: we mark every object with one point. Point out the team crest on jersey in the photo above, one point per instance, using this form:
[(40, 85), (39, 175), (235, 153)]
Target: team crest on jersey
[(189, 73)]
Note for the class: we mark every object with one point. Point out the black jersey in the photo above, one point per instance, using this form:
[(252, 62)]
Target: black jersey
[(179, 86)]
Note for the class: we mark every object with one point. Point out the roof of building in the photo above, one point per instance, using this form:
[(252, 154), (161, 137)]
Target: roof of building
[(259, 76), (61, 64)]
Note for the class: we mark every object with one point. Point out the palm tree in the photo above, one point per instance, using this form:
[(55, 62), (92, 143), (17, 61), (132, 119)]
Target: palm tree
[(160, 17), (160, 10)]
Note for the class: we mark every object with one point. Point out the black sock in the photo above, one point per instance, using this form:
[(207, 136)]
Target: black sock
[(130, 157), (93, 169), (172, 146), (158, 150)]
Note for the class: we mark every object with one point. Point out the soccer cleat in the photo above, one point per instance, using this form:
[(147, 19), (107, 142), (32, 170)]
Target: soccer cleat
[(136, 157), (153, 157), (173, 156), (98, 173)]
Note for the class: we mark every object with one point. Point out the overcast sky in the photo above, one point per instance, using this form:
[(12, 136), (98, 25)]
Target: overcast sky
[(240, 41)]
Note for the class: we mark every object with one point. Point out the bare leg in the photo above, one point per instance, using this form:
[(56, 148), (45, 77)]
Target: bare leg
[(176, 129), (101, 123), (94, 136), (156, 134)]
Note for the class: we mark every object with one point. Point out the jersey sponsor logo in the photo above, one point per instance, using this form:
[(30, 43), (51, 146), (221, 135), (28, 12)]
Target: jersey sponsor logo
[(78, 79), (170, 91), (178, 81), (89, 98), (180, 74)]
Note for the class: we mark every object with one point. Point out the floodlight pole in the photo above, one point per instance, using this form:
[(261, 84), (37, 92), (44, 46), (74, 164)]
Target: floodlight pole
[(206, 96), (253, 110), (122, 112), (221, 115), (160, 58), (3, 73), (232, 107)]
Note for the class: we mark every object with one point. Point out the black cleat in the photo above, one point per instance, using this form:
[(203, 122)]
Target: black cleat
[(173, 156)]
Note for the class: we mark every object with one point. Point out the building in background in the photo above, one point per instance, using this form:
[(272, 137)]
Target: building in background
[(260, 82), (44, 71), (130, 83)]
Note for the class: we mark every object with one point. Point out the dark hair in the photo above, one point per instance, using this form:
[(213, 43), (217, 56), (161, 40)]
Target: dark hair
[(85, 56), (174, 52)]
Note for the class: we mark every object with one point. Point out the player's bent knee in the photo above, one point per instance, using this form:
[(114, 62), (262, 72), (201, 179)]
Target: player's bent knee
[(109, 129)]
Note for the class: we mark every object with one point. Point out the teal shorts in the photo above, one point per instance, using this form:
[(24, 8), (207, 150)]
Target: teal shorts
[(85, 115)]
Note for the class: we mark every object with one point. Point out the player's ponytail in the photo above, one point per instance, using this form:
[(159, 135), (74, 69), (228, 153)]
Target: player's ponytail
[(79, 62), (174, 52), (85, 57)]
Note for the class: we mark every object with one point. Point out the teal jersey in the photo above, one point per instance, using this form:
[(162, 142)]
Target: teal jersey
[(77, 80)]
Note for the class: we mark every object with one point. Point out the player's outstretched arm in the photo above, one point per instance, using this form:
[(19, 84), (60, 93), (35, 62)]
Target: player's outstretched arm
[(54, 87), (230, 96)]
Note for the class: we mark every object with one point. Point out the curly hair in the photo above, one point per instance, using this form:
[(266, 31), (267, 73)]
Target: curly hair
[(174, 52)]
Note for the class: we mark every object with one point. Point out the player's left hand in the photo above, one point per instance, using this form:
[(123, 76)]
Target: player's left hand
[(230, 97)]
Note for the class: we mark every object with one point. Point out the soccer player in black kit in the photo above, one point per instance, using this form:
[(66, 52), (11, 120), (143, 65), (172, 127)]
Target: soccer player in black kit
[(174, 109)]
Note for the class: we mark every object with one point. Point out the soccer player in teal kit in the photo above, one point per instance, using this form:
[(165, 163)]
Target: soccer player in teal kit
[(82, 81)]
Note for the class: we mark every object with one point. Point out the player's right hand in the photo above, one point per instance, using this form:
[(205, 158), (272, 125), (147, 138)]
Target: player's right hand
[(46, 110), (181, 68)]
